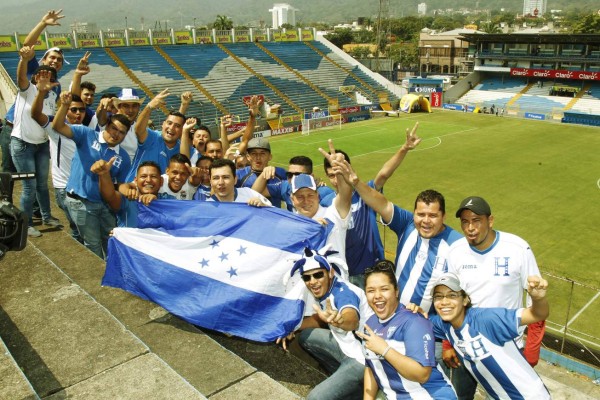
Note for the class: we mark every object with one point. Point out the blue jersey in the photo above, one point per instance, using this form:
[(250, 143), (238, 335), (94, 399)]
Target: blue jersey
[(154, 149), (411, 335), (363, 243), (419, 261), (91, 147), (127, 214), (486, 344), (246, 177), (283, 189)]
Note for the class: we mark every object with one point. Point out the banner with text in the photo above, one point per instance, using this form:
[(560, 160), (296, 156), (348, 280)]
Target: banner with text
[(8, 43), (40, 44), (114, 42), (63, 42), (88, 42), (139, 41), (555, 74), (307, 34), (184, 37)]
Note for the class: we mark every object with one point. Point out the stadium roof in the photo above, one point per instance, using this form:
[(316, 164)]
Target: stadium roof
[(547, 38)]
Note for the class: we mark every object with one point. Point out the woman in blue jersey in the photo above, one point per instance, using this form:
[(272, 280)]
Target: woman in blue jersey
[(484, 338), (399, 345)]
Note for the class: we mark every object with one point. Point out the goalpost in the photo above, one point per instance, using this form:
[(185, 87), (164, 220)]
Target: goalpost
[(315, 122)]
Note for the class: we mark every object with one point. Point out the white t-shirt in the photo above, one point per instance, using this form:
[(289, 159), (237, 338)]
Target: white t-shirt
[(242, 195), (60, 159), (25, 127), (337, 236), (185, 193)]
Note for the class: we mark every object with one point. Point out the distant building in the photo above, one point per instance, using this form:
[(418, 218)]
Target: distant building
[(422, 9), (84, 27), (283, 13), (535, 8), (445, 53)]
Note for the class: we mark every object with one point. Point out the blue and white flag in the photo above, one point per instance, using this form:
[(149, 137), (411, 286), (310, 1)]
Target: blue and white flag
[(220, 266)]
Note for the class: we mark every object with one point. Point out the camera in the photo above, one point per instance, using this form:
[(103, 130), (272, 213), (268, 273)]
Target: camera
[(13, 222)]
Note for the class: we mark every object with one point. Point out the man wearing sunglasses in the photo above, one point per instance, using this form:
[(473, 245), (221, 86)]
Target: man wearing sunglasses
[(342, 308), (93, 217), (62, 149), (298, 165)]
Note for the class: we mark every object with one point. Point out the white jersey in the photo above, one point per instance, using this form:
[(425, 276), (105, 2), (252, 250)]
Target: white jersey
[(62, 151), (25, 127), (242, 195), (497, 276), (337, 236), (186, 192)]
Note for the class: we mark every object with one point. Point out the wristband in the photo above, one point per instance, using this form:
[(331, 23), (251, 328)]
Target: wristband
[(385, 351)]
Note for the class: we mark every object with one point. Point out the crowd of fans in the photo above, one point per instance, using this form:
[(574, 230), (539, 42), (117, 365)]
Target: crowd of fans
[(367, 325)]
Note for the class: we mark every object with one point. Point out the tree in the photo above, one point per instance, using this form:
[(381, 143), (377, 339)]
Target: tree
[(489, 27), (223, 23), (340, 37), (588, 24), (360, 52), (287, 26)]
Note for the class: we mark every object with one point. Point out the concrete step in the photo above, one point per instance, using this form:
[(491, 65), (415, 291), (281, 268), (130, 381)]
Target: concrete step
[(13, 383)]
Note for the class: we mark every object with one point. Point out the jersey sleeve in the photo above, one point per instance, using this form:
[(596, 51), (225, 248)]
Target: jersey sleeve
[(346, 298), (438, 327), (400, 220), (419, 341), (80, 133)]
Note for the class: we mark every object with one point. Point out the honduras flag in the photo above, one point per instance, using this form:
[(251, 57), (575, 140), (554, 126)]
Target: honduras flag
[(220, 266)]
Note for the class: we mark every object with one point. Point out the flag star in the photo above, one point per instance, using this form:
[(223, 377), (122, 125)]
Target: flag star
[(223, 256), (242, 250), (232, 271), (203, 263), (214, 244)]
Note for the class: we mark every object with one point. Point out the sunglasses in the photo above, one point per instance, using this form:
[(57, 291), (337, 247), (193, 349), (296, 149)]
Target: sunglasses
[(316, 275), (290, 175), (75, 109)]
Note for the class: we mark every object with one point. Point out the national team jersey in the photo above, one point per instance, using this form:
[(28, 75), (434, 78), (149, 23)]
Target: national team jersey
[(92, 147), (342, 295), (127, 214), (411, 335), (363, 242), (246, 177), (419, 261), (186, 192), (242, 195), (495, 277), (486, 344), (154, 149), (337, 235)]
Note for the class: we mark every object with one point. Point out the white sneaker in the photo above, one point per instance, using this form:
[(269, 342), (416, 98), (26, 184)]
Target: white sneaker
[(32, 232)]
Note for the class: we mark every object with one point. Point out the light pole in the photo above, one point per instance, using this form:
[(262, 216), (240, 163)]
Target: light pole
[(126, 23), (194, 22)]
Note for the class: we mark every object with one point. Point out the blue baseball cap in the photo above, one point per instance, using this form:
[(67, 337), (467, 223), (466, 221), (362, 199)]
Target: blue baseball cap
[(303, 181)]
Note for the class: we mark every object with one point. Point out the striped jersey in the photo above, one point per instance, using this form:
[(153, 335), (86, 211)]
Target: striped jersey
[(486, 344), (411, 335), (419, 261)]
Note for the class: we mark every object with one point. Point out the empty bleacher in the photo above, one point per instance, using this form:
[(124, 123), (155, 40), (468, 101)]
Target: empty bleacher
[(502, 84)]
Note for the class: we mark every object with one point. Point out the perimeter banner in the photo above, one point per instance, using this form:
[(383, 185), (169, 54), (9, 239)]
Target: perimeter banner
[(8, 43), (184, 37), (139, 41), (114, 42), (88, 42), (63, 42), (39, 45), (556, 74)]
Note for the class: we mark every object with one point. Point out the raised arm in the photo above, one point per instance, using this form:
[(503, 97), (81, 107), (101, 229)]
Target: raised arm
[(107, 188), (370, 196), (539, 309), (186, 99), (26, 53), (260, 184), (51, 18), (102, 111), (58, 124), (82, 69), (390, 166), (253, 110), (185, 143), (346, 319), (225, 122), (343, 200), (44, 86), (142, 121)]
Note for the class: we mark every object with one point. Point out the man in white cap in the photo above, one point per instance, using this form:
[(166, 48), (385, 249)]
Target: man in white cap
[(343, 308), (493, 267)]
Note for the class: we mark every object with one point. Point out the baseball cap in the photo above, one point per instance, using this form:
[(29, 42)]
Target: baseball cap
[(476, 204), (58, 50), (259, 143), (447, 279), (303, 181), (128, 95)]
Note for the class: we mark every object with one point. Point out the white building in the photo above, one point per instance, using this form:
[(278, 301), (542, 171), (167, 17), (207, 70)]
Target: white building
[(422, 9), (283, 13), (535, 8)]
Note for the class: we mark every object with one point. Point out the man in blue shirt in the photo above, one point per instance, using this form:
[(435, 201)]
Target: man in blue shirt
[(92, 216)]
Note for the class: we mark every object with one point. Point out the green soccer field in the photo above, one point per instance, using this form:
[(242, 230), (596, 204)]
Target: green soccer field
[(540, 178)]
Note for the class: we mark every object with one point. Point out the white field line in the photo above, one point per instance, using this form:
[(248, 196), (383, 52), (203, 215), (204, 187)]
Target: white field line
[(578, 338), (580, 311)]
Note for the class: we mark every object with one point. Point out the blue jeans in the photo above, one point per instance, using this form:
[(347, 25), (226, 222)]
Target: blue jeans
[(60, 196), (346, 380), (30, 157), (94, 221)]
